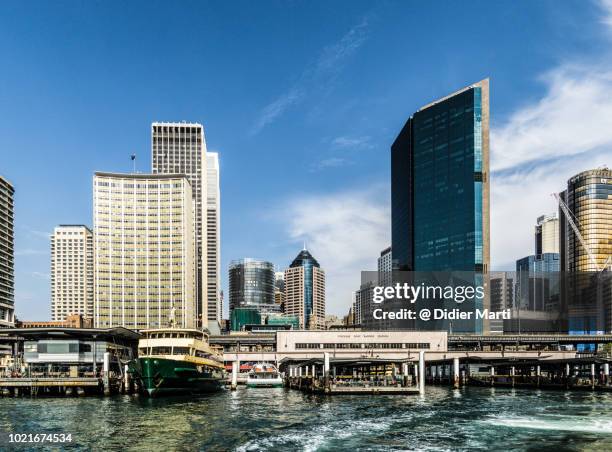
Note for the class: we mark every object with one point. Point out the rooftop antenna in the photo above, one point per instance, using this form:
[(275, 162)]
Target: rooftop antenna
[(133, 157), (304, 246)]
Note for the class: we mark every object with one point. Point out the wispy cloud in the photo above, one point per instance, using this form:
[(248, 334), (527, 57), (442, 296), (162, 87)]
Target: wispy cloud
[(320, 74), (30, 252), (345, 142), (36, 233), (572, 118), (606, 6), (41, 275), (345, 232), (333, 162), (543, 144)]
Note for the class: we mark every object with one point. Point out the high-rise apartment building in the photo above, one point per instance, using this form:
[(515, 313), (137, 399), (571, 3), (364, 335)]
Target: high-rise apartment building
[(180, 148), (547, 234), (213, 242), (7, 254), (144, 251), (72, 272), (305, 291), (440, 185)]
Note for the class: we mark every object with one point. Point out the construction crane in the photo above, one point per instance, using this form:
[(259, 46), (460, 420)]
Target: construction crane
[(569, 217)]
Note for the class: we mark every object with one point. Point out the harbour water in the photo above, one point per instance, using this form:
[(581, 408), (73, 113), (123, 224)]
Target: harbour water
[(281, 419)]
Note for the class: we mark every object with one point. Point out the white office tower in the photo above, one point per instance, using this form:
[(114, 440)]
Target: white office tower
[(180, 148), (144, 251), (213, 242), (72, 272)]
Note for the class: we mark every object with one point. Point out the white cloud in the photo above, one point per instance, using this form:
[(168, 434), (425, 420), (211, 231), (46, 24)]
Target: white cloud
[(518, 198), (572, 118), (332, 162), (330, 62), (606, 6), (543, 144), (351, 142), (345, 232)]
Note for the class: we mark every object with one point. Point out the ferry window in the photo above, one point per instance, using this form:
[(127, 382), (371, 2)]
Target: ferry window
[(354, 345), (30, 347), (161, 350), (328, 345), (181, 351), (84, 348)]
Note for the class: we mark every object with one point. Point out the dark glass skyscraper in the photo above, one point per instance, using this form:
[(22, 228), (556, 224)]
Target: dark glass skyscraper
[(251, 285), (440, 185)]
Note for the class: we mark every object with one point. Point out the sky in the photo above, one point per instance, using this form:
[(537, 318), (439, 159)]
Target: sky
[(302, 100)]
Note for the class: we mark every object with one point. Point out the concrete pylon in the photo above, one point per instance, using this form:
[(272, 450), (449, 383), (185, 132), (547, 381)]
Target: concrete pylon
[(422, 372), (456, 381), (235, 370)]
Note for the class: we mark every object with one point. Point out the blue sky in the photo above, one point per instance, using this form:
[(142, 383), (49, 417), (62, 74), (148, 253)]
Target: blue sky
[(302, 101)]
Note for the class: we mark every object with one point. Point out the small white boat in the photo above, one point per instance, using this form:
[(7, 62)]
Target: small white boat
[(264, 375)]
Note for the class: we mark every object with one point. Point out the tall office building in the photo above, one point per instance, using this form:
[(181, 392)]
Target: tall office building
[(7, 255), (587, 289), (589, 198), (440, 185), (144, 251), (72, 272), (547, 234), (385, 267), (279, 290), (180, 148), (213, 242), (251, 285), (305, 291)]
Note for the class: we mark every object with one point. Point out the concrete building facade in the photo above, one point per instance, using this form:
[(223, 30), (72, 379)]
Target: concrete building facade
[(7, 254), (72, 272), (144, 251), (180, 148), (213, 242)]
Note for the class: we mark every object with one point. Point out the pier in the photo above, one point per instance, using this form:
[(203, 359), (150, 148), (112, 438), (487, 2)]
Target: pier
[(58, 361)]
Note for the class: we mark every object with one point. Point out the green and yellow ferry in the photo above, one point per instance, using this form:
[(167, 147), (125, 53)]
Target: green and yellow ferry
[(174, 361)]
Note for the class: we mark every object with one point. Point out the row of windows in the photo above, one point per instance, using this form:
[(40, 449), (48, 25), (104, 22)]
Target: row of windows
[(406, 345)]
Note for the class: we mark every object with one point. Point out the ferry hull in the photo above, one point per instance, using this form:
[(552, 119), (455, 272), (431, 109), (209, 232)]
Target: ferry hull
[(160, 377)]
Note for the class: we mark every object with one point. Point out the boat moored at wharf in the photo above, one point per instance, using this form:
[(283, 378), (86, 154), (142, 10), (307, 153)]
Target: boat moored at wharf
[(174, 361)]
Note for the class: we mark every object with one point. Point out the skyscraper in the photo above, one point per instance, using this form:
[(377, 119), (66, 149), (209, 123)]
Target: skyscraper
[(589, 198), (547, 234), (440, 185), (305, 291), (72, 272), (251, 285), (7, 255), (385, 267), (144, 251), (213, 242), (587, 288), (180, 148)]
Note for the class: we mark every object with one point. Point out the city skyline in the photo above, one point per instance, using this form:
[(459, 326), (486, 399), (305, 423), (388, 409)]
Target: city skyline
[(346, 162)]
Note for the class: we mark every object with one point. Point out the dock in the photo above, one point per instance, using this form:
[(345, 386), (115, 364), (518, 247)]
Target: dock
[(342, 376)]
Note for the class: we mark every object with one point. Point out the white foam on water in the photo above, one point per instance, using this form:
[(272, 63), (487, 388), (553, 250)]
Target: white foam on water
[(556, 423), (313, 439)]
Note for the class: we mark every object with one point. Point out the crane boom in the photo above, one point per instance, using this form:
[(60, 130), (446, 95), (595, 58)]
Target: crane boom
[(570, 220)]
